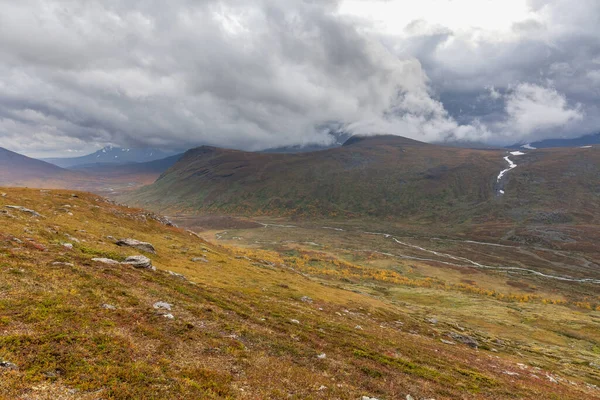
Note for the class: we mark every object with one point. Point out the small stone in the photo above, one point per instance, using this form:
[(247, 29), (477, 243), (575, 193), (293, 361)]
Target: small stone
[(176, 275), (162, 305), (322, 356), (409, 397), (294, 321), (52, 374), (306, 299), (8, 365), (169, 316), (433, 321), (447, 342), (68, 246), (322, 387), (358, 327), (199, 259), (108, 307)]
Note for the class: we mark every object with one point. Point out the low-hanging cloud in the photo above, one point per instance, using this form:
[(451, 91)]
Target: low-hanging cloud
[(74, 75), (532, 108)]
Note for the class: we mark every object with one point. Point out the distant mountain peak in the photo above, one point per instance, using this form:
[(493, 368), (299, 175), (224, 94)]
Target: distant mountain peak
[(112, 155), (393, 140)]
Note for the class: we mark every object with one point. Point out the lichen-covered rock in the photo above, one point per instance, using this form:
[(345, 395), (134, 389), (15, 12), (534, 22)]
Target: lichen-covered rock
[(162, 305), (141, 262), (136, 244)]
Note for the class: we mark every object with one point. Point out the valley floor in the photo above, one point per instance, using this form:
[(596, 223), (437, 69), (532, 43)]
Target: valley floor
[(271, 309)]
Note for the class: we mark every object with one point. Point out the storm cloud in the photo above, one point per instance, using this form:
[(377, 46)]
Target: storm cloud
[(75, 75)]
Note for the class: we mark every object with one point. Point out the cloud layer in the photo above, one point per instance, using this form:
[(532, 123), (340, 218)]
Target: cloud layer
[(80, 74)]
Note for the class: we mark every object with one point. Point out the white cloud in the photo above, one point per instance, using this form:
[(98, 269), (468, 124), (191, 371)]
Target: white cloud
[(74, 75), (532, 108)]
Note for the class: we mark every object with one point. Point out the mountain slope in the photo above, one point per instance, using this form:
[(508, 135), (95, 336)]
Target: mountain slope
[(111, 155), (19, 170), (151, 169), (242, 323), (384, 176), (379, 176)]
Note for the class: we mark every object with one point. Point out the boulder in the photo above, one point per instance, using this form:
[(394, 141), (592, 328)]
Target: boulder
[(136, 244), (139, 262)]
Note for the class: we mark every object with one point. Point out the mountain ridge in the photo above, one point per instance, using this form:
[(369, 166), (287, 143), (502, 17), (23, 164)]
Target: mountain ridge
[(112, 155), (380, 176)]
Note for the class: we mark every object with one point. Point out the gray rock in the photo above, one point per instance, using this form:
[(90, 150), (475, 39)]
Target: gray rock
[(169, 316), (108, 307), (199, 259), (306, 299), (139, 262), (162, 305), (68, 246), (25, 210), (468, 340), (105, 261), (136, 244), (8, 365)]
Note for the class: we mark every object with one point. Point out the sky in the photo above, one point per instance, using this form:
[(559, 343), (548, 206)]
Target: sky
[(76, 75)]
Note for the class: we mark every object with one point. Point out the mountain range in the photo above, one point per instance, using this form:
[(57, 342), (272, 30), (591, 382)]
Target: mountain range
[(383, 177), (112, 155), (105, 178), (587, 140)]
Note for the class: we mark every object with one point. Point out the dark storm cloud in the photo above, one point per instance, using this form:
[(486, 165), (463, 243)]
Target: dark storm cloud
[(79, 74), (548, 68)]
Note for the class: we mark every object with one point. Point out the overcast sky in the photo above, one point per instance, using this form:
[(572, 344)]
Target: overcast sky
[(79, 74)]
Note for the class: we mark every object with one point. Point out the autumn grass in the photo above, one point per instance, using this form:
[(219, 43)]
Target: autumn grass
[(234, 333)]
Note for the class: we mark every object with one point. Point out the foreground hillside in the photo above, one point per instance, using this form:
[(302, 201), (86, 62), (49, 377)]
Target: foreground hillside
[(220, 322), (384, 176)]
